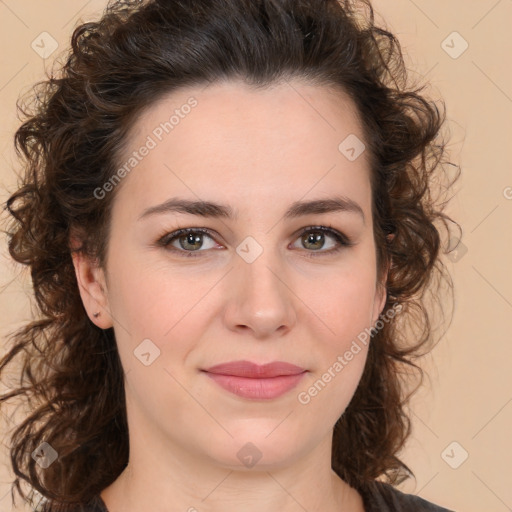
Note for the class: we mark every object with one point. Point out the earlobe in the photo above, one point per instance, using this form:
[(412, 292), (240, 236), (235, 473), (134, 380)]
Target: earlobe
[(93, 290)]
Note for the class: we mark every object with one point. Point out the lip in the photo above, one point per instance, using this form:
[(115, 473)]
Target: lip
[(255, 371), (253, 381)]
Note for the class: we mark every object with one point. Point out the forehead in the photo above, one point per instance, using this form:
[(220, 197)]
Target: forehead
[(223, 108), (228, 136)]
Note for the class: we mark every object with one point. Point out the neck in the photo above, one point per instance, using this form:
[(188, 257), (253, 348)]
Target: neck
[(293, 489)]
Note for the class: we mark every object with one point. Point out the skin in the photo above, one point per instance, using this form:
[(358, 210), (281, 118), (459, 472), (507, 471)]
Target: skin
[(257, 151)]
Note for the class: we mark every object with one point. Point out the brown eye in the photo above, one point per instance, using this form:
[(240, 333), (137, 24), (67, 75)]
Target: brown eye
[(187, 241), (190, 241), (313, 239)]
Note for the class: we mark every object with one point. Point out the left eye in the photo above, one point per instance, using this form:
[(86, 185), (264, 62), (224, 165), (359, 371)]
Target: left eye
[(315, 239), (191, 240)]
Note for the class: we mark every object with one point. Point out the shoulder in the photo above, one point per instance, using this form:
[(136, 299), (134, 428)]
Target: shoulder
[(383, 497)]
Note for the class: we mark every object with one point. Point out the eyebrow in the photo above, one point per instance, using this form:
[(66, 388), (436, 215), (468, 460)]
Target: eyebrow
[(215, 210)]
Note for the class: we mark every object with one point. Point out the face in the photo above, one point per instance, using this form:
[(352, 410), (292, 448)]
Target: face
[(269, 274)]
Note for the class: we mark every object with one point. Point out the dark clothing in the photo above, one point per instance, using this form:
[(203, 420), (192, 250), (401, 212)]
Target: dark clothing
[(381, 497), (377, 497)]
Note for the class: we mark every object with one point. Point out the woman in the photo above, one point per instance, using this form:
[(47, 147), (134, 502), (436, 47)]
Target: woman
[(227, 211)]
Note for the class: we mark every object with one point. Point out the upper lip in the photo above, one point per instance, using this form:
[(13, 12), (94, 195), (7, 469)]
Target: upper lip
[(255, 371)]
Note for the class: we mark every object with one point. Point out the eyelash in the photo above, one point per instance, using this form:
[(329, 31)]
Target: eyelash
[(341, 238)]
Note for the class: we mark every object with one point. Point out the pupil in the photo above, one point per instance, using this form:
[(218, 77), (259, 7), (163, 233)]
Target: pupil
[(192, 239), (312, 238)]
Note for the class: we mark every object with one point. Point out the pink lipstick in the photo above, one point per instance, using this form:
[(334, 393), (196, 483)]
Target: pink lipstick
[(250, 380)]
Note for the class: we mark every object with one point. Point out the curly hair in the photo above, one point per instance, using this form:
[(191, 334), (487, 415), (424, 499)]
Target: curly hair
[(70, 140)]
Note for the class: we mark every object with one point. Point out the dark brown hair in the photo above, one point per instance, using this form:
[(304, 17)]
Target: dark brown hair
[(70, 139)]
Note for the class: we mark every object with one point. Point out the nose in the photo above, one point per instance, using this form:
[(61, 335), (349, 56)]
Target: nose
[(260, 299)]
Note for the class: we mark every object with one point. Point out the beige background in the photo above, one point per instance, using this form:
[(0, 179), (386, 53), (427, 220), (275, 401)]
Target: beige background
[(469, 400)]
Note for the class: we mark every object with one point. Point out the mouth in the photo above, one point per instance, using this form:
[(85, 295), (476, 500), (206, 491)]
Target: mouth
[(253, 370), (257, 388), (253, 381)]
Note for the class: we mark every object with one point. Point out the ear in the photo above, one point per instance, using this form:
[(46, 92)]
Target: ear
[(379, 300), (93, 288)]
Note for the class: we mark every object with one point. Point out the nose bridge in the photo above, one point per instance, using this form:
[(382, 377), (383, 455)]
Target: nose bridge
[(262, 301), (261, 275)]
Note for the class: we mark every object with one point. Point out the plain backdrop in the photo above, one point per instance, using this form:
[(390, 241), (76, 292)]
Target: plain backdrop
[(460, 448)]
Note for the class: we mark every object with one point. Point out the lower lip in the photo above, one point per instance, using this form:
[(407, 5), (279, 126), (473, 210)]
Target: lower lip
[(257, 388)]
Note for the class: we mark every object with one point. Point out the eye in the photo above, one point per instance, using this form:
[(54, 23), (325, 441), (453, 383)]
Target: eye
[(188, 242), (313, 239)]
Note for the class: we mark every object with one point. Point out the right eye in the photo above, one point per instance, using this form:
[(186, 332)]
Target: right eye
[(186, 241)]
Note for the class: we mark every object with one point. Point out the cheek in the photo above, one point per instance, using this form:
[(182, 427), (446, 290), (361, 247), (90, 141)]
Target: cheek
[(343, 303), (151, 300), (344, 316)]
